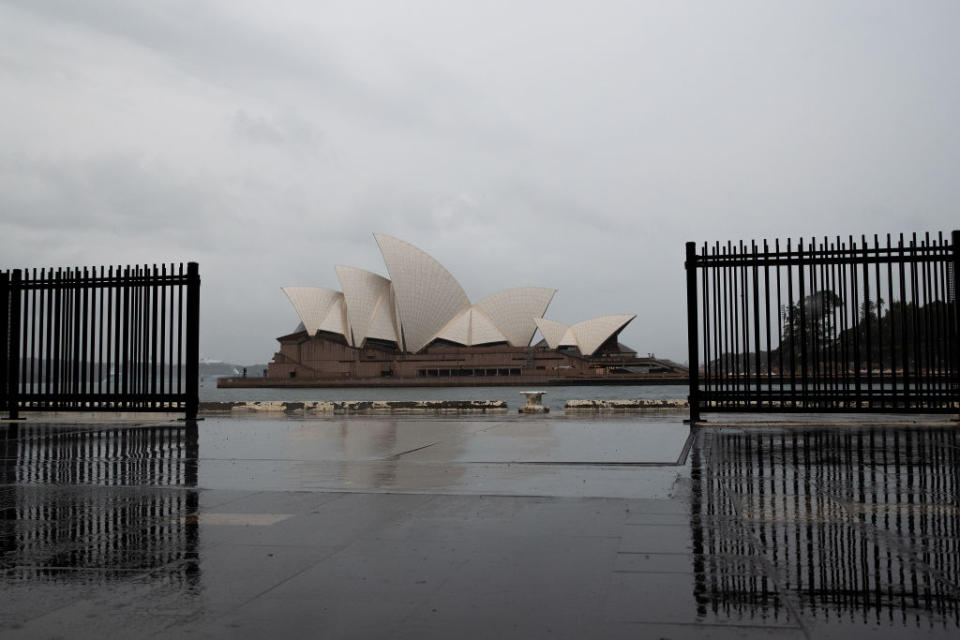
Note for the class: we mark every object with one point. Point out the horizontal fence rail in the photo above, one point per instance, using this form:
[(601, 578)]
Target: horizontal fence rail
[(825, 325), (122, 338)]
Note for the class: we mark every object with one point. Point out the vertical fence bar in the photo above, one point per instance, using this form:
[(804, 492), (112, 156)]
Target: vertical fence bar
[(154, 338), (693, 340), (914, 295), (12, 338), (804, 361), (954, 283), (766, 309), (943, 320), (904, 356), (780, 317), (36, 333), (927, 327), (705, 323), (865, 315), (180, 331), (163, 326), (4, 340), (123, 325), (881, 381), (894, 403), (792, 329), (193, 336), (855, 290), (756, 321), (24, 351)]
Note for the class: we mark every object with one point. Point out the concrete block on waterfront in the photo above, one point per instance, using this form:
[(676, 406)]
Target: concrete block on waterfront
[(356, 407), (676, 404)]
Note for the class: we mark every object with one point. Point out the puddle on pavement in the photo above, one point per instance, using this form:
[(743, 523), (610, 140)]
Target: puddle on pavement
[(855, 527), (845, 528)]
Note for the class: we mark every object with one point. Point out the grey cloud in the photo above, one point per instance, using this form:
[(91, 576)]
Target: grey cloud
[(286, 130), (521, 144)]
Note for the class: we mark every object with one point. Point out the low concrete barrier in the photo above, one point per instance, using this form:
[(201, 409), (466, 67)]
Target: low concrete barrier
[(626, 405), (357, 406)]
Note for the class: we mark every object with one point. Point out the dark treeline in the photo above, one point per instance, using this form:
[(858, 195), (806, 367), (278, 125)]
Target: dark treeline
[(819, 332)]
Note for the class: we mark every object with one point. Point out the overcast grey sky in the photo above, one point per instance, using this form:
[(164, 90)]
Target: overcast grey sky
[(575, 145)]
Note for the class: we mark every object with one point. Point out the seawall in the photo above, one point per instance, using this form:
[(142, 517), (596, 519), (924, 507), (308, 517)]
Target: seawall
[(357, 407)]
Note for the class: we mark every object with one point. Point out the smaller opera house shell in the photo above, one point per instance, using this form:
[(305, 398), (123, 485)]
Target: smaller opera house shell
[(419, 323)]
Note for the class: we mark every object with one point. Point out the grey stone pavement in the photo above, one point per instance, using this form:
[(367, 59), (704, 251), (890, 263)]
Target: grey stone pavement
[(486, 527)]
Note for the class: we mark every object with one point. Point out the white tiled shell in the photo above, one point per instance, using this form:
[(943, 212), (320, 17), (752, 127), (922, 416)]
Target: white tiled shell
[(513, 311), (384, 323), (472, 327), (364, 293), (482, 329), (427, 296), (569, 339), (552, 331), (314, 304), (590, 334), (458, 330), (336, 320)]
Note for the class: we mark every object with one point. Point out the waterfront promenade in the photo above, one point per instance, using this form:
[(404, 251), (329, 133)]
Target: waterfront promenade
[(478, 526)]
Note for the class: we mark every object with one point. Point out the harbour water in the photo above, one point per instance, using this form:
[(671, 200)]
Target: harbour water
[(555, 397)]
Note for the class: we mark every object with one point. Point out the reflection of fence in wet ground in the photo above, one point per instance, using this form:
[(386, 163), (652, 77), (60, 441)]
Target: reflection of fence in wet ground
[(828, 325), (861, 525), (98, 503)]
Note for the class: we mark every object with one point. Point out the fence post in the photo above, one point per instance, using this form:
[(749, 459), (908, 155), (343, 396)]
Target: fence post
[(693, 338), (193, 341), (4, 335), (11, 339), (955, 373)]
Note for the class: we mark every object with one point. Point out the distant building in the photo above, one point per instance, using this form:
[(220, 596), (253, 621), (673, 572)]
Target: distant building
[(419, 326)]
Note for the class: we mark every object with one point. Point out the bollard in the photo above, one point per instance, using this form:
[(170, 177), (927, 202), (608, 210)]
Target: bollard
[(534, 402)]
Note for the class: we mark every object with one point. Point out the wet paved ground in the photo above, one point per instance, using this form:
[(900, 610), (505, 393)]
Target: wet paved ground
[(478, 527)]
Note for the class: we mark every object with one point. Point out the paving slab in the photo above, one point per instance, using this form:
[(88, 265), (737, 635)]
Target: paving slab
[(386, 527)]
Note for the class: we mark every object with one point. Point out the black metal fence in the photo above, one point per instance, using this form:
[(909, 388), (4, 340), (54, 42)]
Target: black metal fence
[(825, 325), (100, 339)]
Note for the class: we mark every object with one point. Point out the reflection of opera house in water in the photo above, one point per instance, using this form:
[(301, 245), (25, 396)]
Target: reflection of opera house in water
[(851, 527), (419, 327)]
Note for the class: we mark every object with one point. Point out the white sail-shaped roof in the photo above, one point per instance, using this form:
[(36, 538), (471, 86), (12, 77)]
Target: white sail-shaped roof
[(458, 329), (383, 326), (587, 336), (482, 329), (364, 293), (590, 334), (552, 331), (513, 311), (336, 320), (427, 296), (470, 328), (314, 305)]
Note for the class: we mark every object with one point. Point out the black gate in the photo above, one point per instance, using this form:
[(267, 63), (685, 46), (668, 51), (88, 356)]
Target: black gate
[(826, 325), (100, 339)]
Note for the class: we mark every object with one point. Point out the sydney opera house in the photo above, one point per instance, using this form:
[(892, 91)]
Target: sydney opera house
[(419, 327)]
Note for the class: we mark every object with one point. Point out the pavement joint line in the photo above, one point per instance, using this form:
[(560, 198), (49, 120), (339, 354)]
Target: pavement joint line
[(396, 456), (788, 597)]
